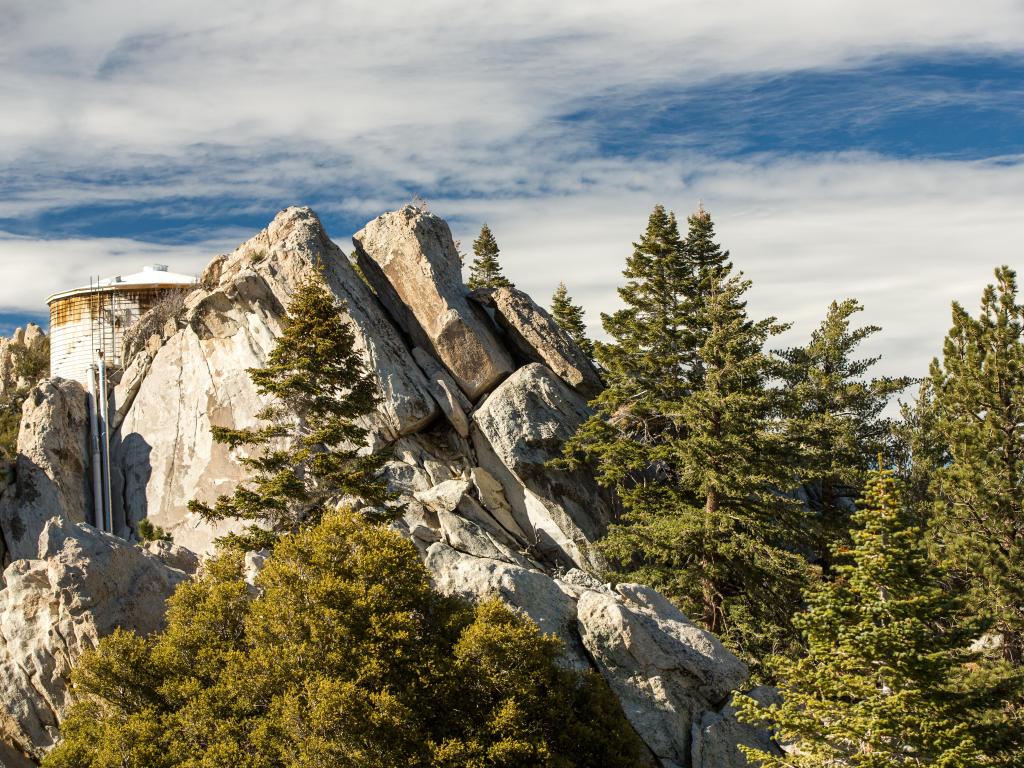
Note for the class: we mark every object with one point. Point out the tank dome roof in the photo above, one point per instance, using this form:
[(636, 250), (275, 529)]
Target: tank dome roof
[(153, 275)]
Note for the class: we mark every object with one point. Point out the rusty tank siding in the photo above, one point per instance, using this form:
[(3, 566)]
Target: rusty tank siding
[(88, 321), (87, 326)]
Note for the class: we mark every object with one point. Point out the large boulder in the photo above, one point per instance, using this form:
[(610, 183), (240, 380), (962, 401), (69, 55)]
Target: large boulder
[(539, 339), (411, 260), (51, 475), (78, 587), (468, 527), (194, 374), (672, 678), (717, 735), (665, 671), (531, 591), (517, 431)]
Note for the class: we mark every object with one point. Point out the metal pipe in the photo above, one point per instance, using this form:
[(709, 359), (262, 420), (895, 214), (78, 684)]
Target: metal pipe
[(98, 515), (105, 443)]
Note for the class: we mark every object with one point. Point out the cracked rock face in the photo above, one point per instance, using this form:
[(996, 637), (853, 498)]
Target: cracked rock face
[(80, 586), (470, 437), (410, 258), (663, 668), (517, 431), (671, 677), (538, 338), (196, 377)]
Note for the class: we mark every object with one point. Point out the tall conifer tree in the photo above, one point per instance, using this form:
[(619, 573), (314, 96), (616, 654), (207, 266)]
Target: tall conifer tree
[(646, 363), (873, 689), (569, 317), (835, 422), (977, 419), (707, 266), (485, 271), (307, 456), (685, 433), (965, 447)]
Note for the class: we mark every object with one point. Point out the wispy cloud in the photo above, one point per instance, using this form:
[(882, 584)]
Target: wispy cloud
[(164, 132), (94, 90), (904, 236), (32, 269)]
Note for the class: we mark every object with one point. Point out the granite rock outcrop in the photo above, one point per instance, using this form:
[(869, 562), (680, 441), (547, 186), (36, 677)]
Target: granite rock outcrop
[(476, 398)]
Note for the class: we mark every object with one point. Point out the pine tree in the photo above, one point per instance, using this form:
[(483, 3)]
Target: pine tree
[(307, 456), (569, 317), (685, 434), (873, 689), (485, 271), (645, 364), (963, 460), (977, 488), (835, 422)]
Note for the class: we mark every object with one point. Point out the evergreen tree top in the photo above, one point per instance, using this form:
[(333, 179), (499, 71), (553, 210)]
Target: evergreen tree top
[(646, 353), (485, 244), (704, 253), (837, 413), (314, 368), (485, 271), (974, 406), (569, 317)]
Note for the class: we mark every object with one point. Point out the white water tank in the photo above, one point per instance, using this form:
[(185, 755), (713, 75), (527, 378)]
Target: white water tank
[(93, 318)]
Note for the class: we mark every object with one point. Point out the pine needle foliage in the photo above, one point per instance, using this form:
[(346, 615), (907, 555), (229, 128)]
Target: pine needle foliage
[(646, 360), (835, 421), (875, 688), (485, 271), (964, 462), (686, 434), (974, 409), (569, 317), (308, 456), (147, 531), (341, 655)]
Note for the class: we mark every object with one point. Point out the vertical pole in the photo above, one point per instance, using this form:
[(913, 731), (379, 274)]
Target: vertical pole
[(98, 516), (106, 409), (105, 443)]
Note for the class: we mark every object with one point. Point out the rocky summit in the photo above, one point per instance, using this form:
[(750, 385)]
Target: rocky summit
[(478, 392)]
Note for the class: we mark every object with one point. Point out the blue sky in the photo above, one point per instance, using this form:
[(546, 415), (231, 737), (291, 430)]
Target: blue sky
[(844, 148)]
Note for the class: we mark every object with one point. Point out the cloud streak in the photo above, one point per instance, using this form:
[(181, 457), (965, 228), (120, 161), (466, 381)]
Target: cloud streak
[(906, 237), (132, 133)]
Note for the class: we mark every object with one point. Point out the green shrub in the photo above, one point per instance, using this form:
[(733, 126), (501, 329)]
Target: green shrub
[(149, 532), (31, 366), (344, 656)]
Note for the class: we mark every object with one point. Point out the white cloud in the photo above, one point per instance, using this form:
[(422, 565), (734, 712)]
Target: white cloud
[(904, 237), (437, 91), (32, 269), (158, 103)]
